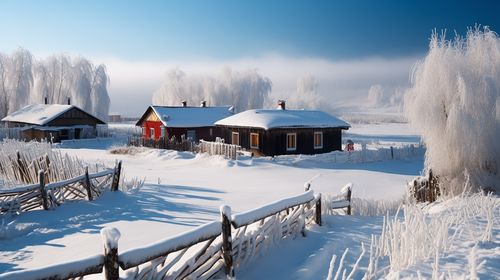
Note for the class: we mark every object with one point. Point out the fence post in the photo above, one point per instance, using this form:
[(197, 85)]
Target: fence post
[(317, 217), (87, 184), (41, 180), (349, 192), (110, 237), (227, 242), (22, 170), (116, 177), (392, 153)]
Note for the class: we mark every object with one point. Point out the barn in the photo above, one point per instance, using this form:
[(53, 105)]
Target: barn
[(282, 131), (54, 122), (165, 122)]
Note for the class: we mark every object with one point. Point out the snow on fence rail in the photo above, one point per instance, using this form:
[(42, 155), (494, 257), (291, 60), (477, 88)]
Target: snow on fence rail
[(200, 253), (49, 195)]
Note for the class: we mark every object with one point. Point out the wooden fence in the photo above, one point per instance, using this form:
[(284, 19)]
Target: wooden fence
[(208, 250), (50, 195), (163, 143), (425, 188), (219, 148)]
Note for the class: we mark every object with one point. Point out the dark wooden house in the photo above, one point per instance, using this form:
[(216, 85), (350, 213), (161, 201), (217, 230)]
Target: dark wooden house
[(166, 122), (54, 122), (281, 131)]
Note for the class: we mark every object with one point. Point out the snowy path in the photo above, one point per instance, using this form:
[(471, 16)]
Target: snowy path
[(309, 257)]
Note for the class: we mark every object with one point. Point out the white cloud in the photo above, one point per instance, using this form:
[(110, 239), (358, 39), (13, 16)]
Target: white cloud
[(133, 82)]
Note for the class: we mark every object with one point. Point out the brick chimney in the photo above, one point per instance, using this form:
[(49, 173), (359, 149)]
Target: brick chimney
[(46, 100), (203, 104), (281, 105), (184, 103), (69, 100)]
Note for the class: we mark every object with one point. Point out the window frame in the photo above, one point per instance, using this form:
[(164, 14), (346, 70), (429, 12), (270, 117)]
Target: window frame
[(233, 135), (254, 134), (314, 140), (152, 133), (289, 149)]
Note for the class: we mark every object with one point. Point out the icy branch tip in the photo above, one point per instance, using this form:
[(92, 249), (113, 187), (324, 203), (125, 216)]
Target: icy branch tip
[(225, 210), (110, 237)]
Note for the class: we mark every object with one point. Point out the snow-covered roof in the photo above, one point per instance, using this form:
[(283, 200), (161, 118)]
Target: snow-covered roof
[(39, 114), (178, 116), (267, 119)]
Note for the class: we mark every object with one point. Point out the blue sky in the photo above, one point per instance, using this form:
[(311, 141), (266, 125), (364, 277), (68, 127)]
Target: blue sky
[(347, 45), (230, 29)]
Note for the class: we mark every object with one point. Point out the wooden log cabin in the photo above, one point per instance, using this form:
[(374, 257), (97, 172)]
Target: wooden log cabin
[(53, 122), (282, 131), (166, 122)]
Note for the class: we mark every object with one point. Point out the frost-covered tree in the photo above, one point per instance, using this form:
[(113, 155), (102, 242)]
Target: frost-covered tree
[(19, 79), (306, 96), (454, 101), (242, 89), (375, 95), (24, 80)]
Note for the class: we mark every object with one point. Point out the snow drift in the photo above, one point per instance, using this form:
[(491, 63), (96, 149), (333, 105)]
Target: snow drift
[(454, 101)]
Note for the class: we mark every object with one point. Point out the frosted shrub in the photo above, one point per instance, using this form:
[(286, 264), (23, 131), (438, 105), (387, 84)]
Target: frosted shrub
[(132, 186), (33, 157), (455, 103), (126, 150), (373, 207), (427, 233)]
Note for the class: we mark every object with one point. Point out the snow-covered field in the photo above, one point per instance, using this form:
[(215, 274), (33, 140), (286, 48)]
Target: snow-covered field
[(183, 190)]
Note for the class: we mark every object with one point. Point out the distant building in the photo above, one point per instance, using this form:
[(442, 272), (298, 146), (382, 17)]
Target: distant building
[(165, 122), (54, 122), (281, 131), (114, 118)]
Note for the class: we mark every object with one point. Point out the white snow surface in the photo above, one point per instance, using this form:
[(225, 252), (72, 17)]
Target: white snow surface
[(183, 191), (38, 114), (267, 119), (191, 116)]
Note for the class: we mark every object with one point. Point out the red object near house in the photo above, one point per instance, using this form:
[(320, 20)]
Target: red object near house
[(166, 122)]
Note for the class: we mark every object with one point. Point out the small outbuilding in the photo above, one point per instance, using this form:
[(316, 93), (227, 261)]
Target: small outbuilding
[(282, 131), (165, 122), (54, 122)]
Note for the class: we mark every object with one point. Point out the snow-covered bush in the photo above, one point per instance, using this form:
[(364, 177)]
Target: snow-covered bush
[(455, 103), (126, 150)]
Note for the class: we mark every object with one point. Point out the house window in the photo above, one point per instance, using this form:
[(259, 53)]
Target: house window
[(318, 140), (235, 138), (254, 140), (291, 141), (162, 132), (152, 133), (191, 135), (211, 132)]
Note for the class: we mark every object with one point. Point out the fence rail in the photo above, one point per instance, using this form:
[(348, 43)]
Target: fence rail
[(219, 148), (163, 143), (50, 195), (200, 253)]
